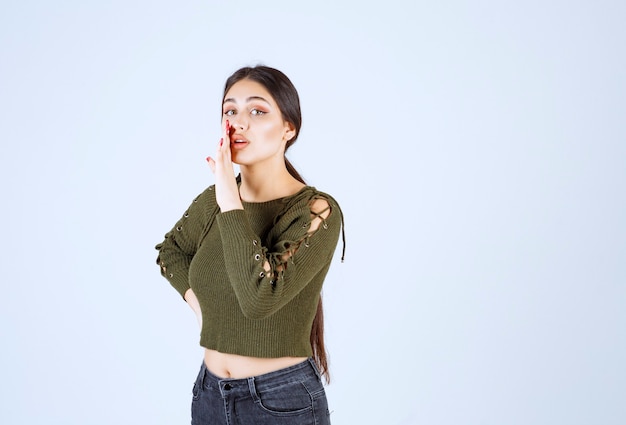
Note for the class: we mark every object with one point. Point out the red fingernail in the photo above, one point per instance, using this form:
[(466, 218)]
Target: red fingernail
[(227, 125), (221, 141), (208, 159)]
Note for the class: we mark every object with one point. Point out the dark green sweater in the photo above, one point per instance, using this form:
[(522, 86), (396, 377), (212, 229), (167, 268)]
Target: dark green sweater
[(245, 309)]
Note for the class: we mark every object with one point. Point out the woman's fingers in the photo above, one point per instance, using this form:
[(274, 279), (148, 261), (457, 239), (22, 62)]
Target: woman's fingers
[(226, 189), (222, 150), (211, 162), (225, 142), (223, 155)]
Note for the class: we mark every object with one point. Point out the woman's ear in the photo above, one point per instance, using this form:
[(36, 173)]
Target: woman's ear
[(290, 131)]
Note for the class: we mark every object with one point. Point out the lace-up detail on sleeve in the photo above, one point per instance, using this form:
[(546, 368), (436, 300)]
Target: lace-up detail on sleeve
[(284, 251), (298, 249)]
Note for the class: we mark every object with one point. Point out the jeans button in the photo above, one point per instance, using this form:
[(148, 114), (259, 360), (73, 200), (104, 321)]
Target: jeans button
[(227, 387)]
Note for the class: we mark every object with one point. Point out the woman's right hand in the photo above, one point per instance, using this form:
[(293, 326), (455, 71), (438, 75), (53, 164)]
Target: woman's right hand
[(226, 189)]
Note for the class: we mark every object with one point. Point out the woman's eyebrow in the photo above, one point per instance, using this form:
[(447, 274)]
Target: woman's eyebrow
[(249, 99)]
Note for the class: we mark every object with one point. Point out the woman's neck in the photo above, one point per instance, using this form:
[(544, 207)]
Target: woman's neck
[(260, 184)]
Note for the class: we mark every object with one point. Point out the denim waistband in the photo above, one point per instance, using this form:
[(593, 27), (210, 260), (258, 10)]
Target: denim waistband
[(230, 387)]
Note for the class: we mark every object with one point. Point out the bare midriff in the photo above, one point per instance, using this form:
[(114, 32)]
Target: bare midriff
[(238, 367)]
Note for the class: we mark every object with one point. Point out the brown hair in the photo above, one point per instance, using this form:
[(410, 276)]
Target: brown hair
[(286, 96)]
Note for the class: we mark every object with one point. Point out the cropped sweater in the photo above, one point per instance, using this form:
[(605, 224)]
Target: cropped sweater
[(246, 309)]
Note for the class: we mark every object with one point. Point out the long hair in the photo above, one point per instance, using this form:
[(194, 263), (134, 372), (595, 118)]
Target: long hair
[(286, 96)]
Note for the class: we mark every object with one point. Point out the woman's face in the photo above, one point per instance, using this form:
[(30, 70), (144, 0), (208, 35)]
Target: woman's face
[(258, 132)]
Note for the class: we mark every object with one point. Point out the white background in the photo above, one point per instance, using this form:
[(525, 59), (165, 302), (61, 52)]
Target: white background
[(478, 150)]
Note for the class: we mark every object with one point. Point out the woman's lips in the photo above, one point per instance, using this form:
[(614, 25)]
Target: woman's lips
[(238, 142)]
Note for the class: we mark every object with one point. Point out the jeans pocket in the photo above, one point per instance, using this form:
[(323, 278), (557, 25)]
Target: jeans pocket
[(195, 392), (286, 400), (197, 385)]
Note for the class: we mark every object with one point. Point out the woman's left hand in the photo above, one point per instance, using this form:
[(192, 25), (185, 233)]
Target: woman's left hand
[(226, 189)]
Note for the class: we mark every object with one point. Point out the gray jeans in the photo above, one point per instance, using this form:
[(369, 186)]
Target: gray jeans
[(290, 396)]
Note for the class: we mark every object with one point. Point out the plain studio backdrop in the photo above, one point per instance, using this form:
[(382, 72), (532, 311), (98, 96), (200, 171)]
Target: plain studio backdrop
[(478, 150)]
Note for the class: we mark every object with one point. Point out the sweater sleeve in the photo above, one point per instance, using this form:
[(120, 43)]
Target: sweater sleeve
[(299, 247), (181, 243)]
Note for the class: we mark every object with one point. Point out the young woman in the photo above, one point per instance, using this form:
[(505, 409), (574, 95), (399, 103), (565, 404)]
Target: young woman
[(249, 256)]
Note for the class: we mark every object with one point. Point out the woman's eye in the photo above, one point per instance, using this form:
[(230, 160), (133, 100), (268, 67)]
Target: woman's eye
[(229, 113), (257, 112)]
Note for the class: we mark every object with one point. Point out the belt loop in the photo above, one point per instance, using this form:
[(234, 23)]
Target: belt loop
[(252, 388), (314, 366), (204, 370)]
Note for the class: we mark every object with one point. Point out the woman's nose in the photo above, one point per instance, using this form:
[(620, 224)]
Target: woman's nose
[(239, 123)]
